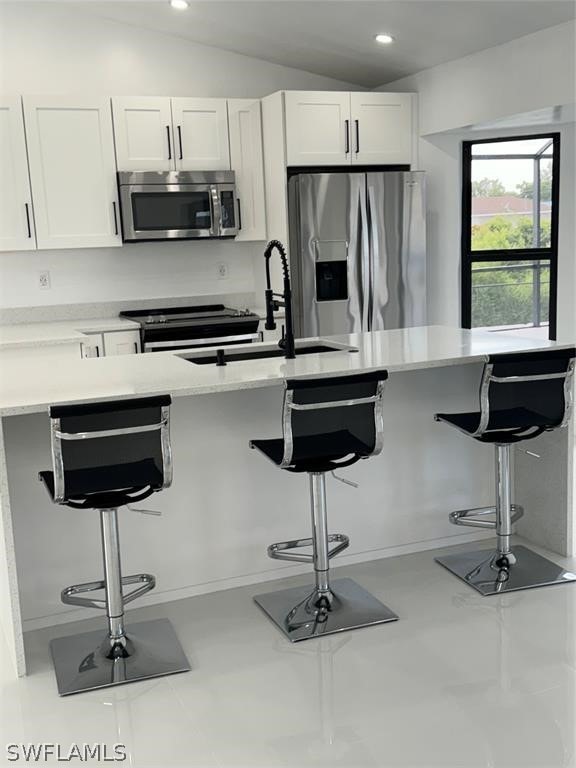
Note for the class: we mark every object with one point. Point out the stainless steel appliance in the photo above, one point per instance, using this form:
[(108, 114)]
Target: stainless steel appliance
[(357, 251), (177, 205), (177, 328)]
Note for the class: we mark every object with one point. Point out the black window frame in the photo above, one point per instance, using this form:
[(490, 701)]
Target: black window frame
[(470, 257)]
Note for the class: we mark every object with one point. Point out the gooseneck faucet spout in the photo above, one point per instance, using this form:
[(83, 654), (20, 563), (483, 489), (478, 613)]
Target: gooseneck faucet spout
[(287, 341)]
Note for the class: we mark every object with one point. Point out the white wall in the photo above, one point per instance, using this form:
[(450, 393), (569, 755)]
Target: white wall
[(526, 74), (140, 271), (532, 73), (49, 49)]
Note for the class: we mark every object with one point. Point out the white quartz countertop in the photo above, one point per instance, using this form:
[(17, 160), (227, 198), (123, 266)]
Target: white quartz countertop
[(32, 385), (61, 332)]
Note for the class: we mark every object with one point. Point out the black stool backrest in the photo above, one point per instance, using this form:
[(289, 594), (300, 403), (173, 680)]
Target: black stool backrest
[(333, 406), (537, 381), (108, 446)]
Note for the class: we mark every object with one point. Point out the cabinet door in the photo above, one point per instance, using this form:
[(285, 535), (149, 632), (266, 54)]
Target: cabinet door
[(143, 134), (201, 134), (73, 171), (93, 346), (381, 128), (246, 159), (16, 220), (317, 128), (121, 343)]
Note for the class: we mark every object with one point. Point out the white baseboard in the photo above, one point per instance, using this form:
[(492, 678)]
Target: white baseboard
[(192, 590)]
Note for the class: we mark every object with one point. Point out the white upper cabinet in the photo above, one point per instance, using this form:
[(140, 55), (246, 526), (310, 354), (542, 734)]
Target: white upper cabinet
[(201, 134), (16, 219), (73, 171), (246, 160), (317, 128), (325, 128), (381, 128), (164, 134), (143, 133)]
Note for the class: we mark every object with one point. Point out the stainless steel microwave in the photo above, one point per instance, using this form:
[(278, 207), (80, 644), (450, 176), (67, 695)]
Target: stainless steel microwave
[(177, 205)]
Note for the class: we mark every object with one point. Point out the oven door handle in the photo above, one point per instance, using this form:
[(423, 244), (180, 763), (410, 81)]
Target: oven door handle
[(152, 345)]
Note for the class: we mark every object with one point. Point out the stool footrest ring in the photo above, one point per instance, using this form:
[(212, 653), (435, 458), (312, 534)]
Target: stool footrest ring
[(72, 595), (473, 517), (279, 551)]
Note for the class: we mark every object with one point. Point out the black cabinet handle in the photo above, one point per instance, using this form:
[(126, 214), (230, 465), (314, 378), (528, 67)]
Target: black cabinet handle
[(169, 144), (347, 136), (180, 141), (136, 347), (357, 123), (28, 219), (239, 214), (115, 218)]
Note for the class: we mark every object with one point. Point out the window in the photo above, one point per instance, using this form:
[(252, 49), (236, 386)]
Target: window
[(510, 233)]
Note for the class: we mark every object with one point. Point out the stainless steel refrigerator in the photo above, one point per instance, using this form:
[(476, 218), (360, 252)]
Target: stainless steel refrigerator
[(357, 251)]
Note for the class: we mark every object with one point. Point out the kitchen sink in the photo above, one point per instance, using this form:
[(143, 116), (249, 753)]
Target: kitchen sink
[(234, 354)]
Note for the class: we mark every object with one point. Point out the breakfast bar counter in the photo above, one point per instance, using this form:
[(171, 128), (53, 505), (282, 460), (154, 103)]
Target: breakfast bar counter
[(224, 506)]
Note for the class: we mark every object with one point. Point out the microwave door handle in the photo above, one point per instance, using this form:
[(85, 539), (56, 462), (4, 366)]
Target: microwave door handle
[(216, 211)]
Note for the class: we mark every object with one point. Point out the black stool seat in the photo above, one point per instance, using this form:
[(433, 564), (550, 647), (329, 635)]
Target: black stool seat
[(510, 425), (318, 453), (108, 486)]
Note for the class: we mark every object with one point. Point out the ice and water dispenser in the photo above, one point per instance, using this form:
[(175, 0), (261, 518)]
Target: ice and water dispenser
[(331, 270)]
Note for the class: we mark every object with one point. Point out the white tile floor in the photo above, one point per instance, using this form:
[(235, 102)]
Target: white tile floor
[(460, 681)]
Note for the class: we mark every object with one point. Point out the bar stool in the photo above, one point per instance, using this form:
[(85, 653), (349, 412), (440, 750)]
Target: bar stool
[(107, 455), (522, 395), (328, 423)]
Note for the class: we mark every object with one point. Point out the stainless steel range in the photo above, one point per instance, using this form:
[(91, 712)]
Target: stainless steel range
[(176, 328)]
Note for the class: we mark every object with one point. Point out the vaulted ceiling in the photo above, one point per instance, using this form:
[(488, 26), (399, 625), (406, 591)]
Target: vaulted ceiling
[(336, 37)]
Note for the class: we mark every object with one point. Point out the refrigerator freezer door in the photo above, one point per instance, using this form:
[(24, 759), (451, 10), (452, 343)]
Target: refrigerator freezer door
[(329, 253), (397, 216)]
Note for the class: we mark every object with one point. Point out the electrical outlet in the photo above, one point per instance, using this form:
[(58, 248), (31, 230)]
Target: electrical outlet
[(44, 280), (223, 271)]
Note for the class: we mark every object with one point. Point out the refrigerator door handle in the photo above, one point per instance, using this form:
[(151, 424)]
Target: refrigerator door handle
[(365, 281), (379, 288)]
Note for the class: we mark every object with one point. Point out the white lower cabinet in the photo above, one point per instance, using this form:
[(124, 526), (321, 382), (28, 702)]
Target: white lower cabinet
[(93, 346), (271, 336), (246, 159), (111, 343), (121, 343), (72, 171)]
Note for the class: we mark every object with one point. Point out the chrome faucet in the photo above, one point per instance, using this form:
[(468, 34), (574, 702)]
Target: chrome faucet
[(287, 341)]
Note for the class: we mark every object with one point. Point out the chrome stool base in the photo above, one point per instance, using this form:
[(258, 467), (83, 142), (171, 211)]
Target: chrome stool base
[(487, 571), (88, 661), (305, 612)]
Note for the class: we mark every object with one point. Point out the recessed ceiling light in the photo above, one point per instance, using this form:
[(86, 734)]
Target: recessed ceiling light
[(180, 5), (384, 39)]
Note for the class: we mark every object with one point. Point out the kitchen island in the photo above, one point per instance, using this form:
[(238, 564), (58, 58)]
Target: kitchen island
[(226, 503)]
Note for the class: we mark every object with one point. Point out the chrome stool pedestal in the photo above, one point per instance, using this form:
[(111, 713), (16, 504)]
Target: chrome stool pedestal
[(96, 660), (327, 607), (507, 568)]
